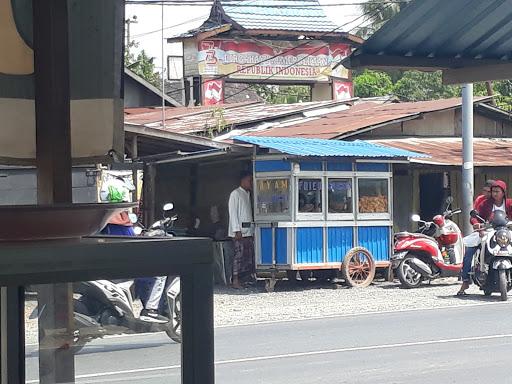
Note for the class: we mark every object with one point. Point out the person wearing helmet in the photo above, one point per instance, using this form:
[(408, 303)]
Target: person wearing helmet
[(497, 202), (117, 190)]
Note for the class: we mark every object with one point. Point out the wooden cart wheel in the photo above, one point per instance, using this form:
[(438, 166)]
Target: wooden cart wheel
[(358, 267)]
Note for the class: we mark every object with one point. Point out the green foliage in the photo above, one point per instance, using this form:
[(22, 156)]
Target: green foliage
[(378, 13), (219, 124), (372, 83), (143, 66), (418, 86), (276, 94)]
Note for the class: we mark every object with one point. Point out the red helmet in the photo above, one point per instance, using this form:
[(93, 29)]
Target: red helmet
[(438, 220), (501, 184)]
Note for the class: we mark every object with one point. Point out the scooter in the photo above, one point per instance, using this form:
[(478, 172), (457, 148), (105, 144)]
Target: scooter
[(104, 307), (435, 250), (491, 268)]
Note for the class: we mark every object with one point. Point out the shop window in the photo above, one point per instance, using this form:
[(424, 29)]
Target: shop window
[(310, 195), (272, 196), (373, 196), (340, 196)]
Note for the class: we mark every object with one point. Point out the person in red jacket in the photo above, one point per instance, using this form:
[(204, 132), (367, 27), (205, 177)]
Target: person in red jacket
[(486, 194), (498, 201)]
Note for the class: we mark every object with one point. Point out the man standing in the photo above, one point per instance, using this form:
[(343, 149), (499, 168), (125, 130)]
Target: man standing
[(240, 229)]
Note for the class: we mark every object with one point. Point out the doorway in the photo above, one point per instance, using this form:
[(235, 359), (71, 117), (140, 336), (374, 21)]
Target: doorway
[(431, 195)]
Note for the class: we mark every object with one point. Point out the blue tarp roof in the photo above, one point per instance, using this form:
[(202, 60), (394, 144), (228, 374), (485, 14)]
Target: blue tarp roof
[(319, 147), (301, 15)]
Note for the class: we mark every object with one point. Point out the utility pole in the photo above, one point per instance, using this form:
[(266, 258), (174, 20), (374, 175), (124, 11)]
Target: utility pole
[(128, 22), (467, 159)]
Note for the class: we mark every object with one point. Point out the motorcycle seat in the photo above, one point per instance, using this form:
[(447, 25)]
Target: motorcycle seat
[(412, 234)]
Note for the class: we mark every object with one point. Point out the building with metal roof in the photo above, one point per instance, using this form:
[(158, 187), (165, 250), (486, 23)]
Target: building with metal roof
[(470, 40), (283, 42), (328, 148)]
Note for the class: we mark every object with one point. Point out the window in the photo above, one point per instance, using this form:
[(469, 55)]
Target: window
[(373, 196), (272, 196), (310, 195), (339, 196)]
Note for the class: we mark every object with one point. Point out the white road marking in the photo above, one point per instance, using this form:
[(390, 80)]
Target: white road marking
[(333, 316), (300, 354)]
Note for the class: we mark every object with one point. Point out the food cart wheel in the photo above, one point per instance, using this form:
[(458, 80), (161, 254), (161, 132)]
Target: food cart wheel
[(358, 267)]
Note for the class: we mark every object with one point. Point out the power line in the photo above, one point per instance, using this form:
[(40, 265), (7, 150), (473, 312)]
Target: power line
[(236, 3)]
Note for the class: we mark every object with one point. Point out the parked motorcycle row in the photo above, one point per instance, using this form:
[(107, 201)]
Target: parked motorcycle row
[(436, 250)]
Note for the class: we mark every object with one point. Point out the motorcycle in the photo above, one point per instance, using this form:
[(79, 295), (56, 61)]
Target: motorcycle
[(104, 307), (492, 264), (435, 250)]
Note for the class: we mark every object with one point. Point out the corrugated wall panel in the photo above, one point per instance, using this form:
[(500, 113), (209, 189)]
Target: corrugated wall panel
[(309, 246), (266, 245), (339, 241), (376, 240)]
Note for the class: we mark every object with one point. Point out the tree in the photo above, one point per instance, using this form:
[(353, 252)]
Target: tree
[(143, 66), (372, 83), (418, 86), (378, 13)]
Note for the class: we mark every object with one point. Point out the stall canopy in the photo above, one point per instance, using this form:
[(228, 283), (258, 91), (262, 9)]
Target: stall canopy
[(319, 147), (470, 40)]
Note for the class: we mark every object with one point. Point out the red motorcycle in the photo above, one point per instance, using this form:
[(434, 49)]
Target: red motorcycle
[(435, 250)]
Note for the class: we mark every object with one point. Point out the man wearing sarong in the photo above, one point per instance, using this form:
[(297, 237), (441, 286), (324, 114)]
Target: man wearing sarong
[(241, 231)]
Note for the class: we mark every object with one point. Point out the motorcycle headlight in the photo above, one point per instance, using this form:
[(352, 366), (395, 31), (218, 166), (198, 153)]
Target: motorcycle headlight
[(503, 237)]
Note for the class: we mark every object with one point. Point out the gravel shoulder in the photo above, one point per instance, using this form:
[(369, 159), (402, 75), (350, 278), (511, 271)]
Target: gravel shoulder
[(296, 301)]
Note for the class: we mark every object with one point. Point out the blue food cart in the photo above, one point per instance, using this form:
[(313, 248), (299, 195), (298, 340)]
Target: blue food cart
[(323, 206)]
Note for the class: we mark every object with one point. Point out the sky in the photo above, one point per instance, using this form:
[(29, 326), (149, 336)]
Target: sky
[(178, 19)]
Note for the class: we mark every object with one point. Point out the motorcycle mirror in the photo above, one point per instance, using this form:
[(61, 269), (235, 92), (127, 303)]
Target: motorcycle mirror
[(137, 230), (449, 200), (133, 218), (168, 207), (415, 218)]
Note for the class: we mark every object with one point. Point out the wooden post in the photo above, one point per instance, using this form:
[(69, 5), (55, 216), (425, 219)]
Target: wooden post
[(54, 166), (197, 350), (135, 172), (149, 194), (12, 335)]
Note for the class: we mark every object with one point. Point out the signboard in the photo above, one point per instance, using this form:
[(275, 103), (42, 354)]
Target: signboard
[(213, 92), (276, 60), (343, 90)]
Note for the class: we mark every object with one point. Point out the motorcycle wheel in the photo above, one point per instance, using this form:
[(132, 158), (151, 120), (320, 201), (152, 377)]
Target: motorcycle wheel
[(408, 277), (174, 326), (503, 284)]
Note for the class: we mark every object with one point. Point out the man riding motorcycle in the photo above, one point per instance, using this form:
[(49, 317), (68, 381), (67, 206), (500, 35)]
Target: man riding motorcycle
[(498, 201)]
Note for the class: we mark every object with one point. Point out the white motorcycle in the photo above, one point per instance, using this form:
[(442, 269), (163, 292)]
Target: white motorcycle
[(491, 268)]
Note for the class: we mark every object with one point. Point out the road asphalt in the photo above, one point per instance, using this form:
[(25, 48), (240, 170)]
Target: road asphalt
[(467, 344)]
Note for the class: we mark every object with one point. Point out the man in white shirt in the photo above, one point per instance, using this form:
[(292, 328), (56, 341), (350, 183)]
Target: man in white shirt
[(240, 229)]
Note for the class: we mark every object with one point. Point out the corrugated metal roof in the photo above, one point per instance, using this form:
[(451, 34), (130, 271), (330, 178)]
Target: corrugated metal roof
[(360, 116), (448, 151), (443, 34), (302, 15), (199, 120), (319, 147)]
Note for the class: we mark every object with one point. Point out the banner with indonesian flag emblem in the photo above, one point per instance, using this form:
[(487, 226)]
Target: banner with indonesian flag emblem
[(280, 60)]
